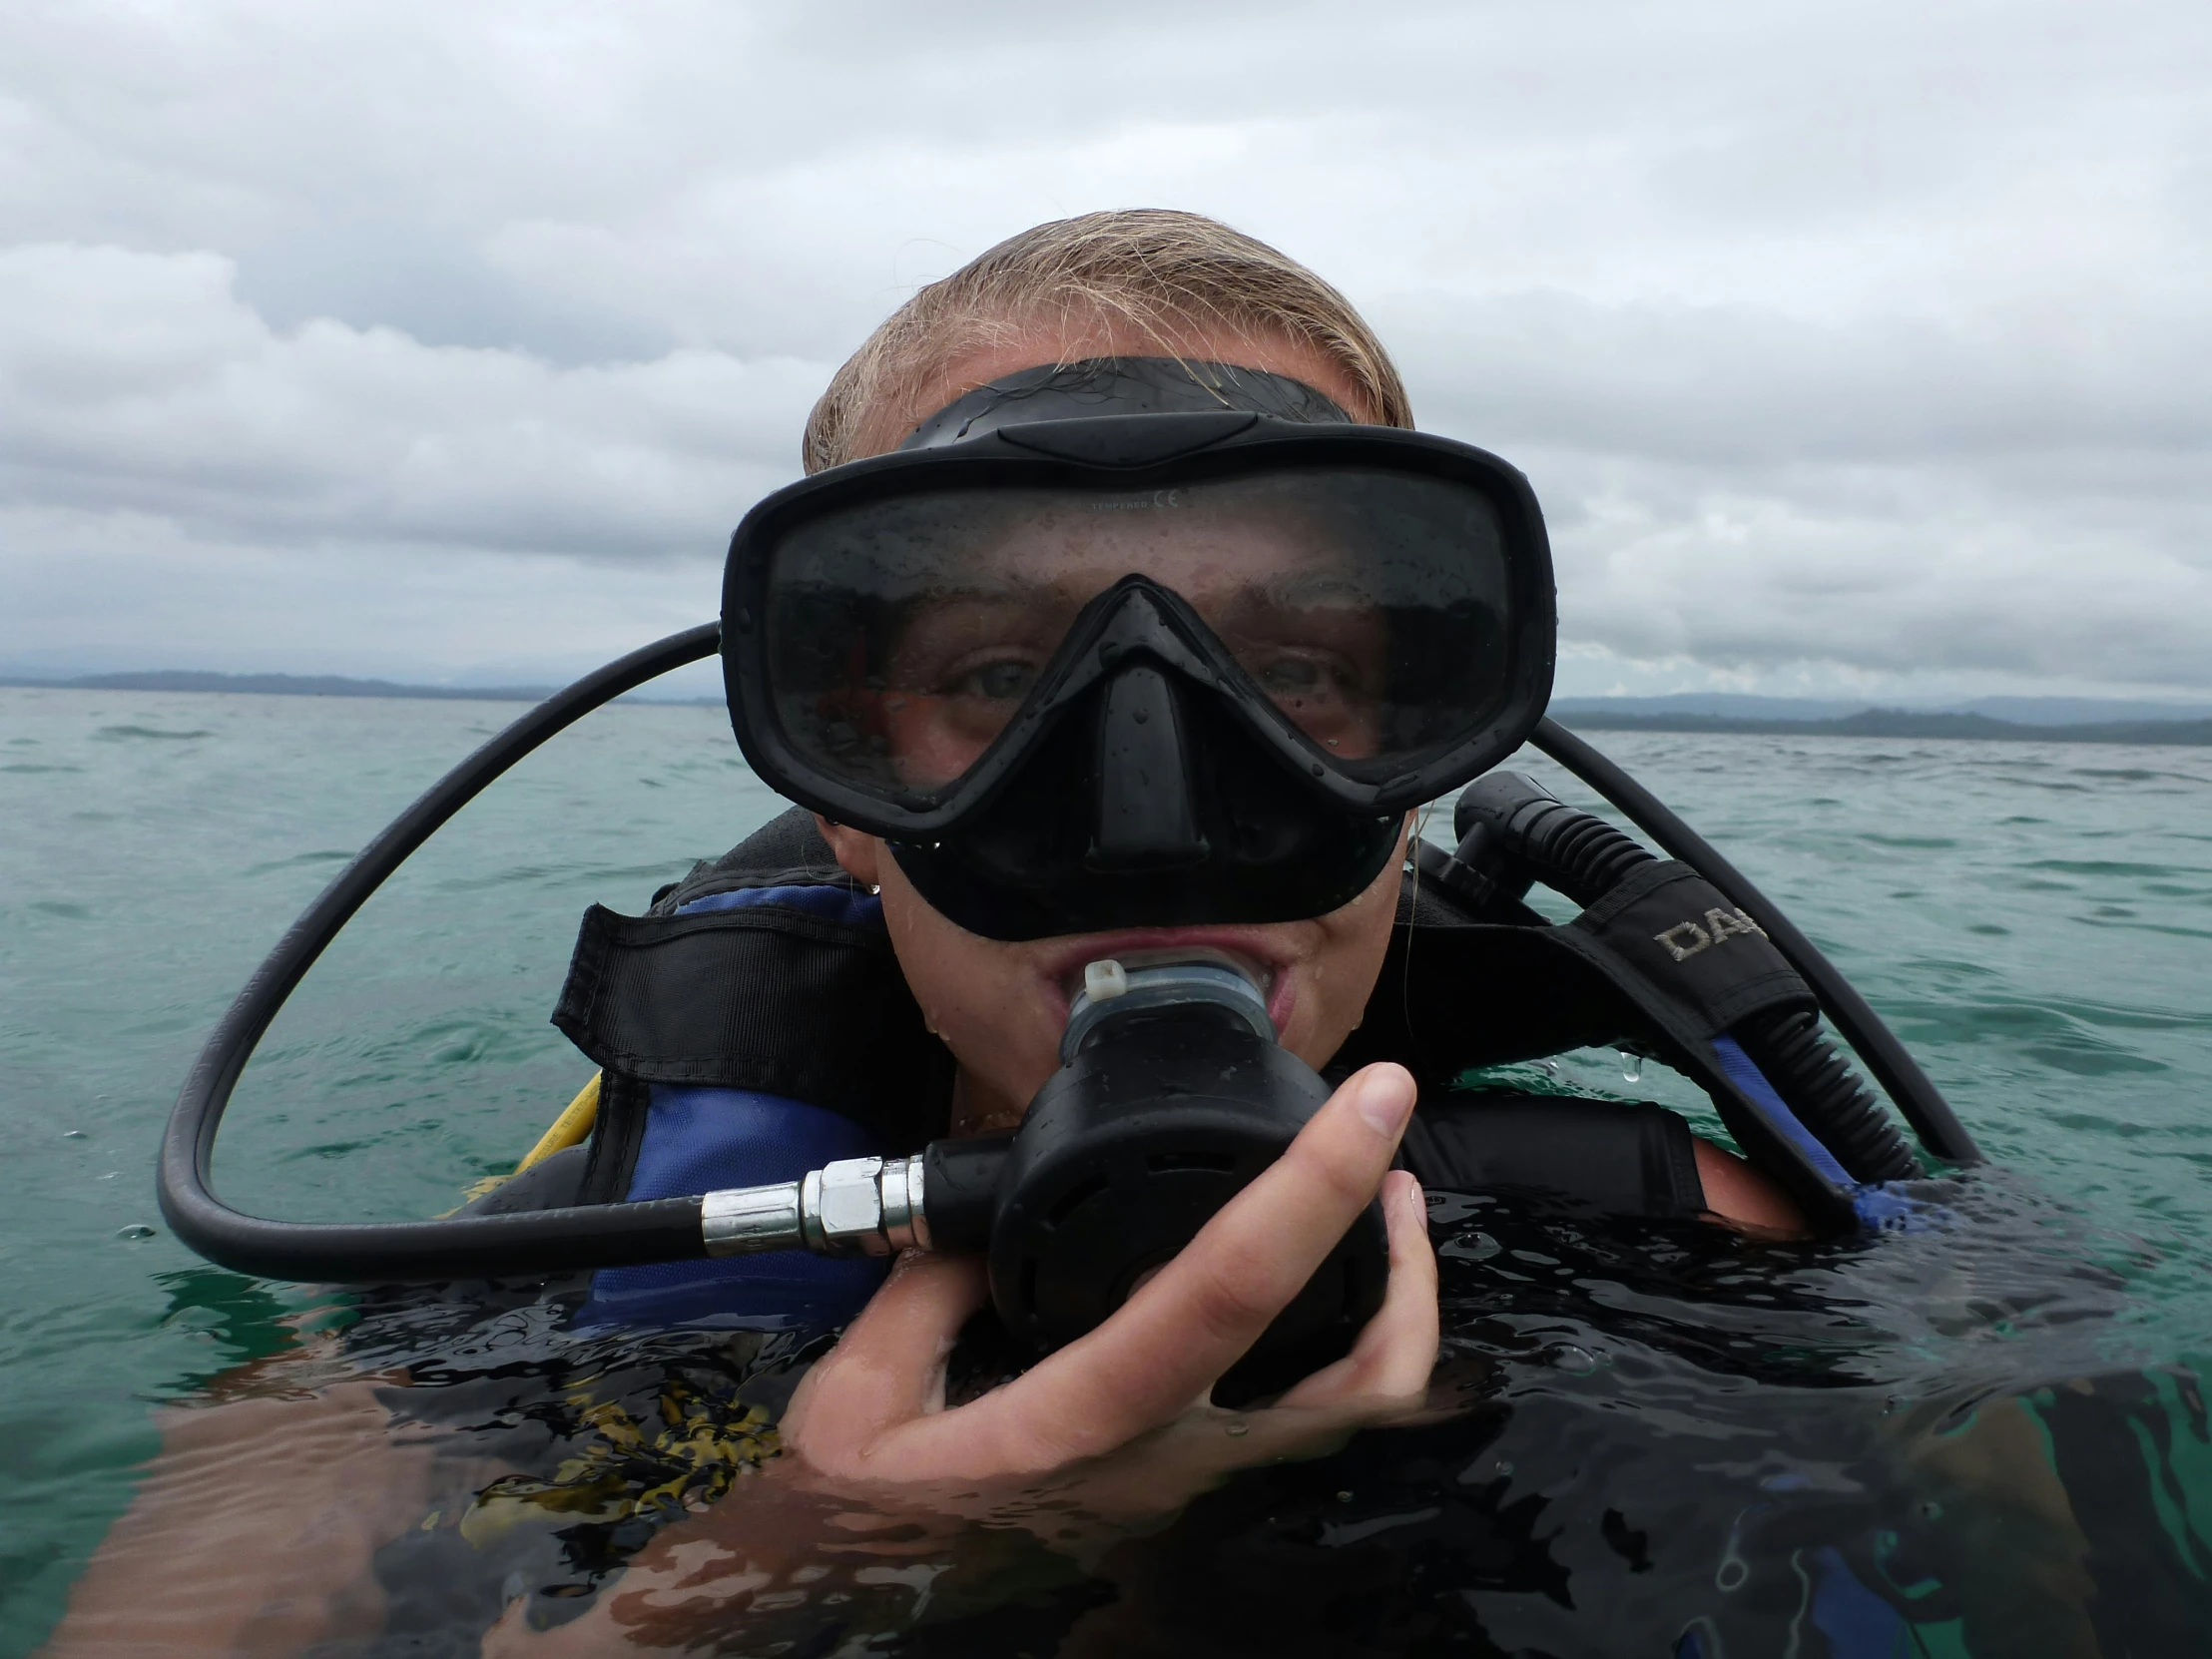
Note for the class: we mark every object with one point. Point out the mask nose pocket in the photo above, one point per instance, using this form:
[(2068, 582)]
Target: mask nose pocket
[(1146, 817)]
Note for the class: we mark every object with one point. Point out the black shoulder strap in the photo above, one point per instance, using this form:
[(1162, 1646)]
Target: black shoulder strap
[(1662, 957), (1456, 995), (764, 997)]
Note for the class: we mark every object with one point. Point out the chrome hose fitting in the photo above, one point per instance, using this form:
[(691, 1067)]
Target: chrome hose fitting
[(853, 1207)]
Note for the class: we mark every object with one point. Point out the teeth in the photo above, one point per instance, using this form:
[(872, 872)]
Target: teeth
[(1131, 961), (1103, 980)]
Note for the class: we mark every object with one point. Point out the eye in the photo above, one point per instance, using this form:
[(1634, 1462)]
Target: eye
[(999, 682), (1292, 676)]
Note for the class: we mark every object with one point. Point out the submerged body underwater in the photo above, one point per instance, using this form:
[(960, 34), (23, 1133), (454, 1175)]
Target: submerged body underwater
[(1983, 1436)]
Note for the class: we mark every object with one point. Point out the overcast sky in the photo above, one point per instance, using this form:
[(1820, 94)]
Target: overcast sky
[(1852, 348)]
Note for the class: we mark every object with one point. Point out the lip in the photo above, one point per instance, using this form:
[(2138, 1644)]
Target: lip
[(1062, 966)]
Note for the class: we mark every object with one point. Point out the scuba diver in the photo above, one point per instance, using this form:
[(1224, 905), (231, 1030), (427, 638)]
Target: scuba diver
[(1111, 649)]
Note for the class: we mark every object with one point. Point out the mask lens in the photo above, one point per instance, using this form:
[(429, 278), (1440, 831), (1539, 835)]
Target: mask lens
[(1368, 606)]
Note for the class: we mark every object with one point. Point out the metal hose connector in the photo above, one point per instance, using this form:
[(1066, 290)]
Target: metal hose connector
[(853, 1207)]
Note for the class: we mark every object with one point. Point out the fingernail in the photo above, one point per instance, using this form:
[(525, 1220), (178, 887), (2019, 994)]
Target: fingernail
[(1413, 1199), (1401, 1191), (1386, 1098)]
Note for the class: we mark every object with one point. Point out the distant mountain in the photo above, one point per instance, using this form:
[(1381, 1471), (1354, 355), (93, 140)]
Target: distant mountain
[(1728, 705), (1885, 722), (2018, 718), (286, 685), (304, 685), (2079, 711), (2019, 711)]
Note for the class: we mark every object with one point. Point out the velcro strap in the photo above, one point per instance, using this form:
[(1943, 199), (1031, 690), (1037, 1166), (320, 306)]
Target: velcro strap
[(762, 997)]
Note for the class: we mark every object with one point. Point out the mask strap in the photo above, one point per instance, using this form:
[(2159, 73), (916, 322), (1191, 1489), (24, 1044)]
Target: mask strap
[(1122, 386)]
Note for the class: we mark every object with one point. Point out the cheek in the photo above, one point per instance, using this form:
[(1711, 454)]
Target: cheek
[(925, 743), (1337, 975), (982, 996)]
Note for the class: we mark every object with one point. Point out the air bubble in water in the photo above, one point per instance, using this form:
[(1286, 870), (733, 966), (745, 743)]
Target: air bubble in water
[(1632, 1067), (135, 1233)]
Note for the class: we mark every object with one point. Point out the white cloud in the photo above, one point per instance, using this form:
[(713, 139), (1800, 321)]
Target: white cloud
[(1862, 342), (105, 590), (139, 380)]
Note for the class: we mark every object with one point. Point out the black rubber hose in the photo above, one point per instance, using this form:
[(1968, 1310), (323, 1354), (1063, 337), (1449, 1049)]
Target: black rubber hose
[(1571, 851), (462, 1247), (1827, 1095), (1890, 1062), (1581, 856)]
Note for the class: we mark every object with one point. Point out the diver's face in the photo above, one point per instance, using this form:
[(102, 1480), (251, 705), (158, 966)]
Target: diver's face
[(1001, 1005), (1288, 605)]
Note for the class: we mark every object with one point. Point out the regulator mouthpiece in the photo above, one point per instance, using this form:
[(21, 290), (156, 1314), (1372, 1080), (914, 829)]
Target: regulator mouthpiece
[(1112, 990)]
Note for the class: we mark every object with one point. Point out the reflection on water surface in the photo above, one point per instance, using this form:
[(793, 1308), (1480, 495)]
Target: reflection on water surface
[(1946, 1441)]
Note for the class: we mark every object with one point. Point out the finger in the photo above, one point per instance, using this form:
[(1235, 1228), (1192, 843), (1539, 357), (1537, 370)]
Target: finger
[(1166, 1347), (1397, 1349), (888, 1367)]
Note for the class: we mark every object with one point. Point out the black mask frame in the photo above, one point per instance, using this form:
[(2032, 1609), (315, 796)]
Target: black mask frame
[(1136, 452)]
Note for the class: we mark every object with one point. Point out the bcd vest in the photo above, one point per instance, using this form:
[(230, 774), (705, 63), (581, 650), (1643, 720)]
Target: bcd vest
[(754, 1024)]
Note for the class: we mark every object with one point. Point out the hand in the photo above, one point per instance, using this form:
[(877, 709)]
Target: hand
[(1111, 1429), (873, 1411)]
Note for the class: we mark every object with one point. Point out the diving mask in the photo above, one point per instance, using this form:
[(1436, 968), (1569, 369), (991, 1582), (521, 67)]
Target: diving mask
[(1154, 666)]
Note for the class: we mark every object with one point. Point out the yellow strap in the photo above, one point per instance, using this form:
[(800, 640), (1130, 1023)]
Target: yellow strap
[(569, 1128)]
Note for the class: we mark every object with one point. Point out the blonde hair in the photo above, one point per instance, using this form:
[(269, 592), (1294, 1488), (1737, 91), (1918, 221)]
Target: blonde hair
[(1157, 272)]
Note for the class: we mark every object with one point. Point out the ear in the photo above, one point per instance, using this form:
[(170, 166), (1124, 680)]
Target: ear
[(860, 856)]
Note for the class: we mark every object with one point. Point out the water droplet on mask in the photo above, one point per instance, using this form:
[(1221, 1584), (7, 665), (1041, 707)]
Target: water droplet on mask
[(136, 1233), (1240, 1429)]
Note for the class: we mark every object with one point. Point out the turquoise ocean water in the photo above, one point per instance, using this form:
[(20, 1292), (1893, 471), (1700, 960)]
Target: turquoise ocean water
[(2035, 920)]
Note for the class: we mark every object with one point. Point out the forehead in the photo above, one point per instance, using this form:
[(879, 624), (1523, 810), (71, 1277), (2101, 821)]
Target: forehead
[(1264, 531), (1166, 533)]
